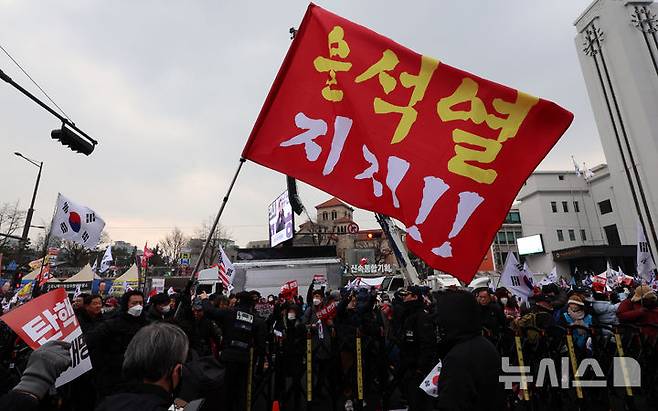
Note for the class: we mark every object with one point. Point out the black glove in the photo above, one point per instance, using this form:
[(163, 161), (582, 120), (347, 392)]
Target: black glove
[(44, 366)]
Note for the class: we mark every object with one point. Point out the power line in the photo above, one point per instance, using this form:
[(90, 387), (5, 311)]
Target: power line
[(35, 83)]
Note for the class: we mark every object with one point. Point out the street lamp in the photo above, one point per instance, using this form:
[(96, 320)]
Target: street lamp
[(28, 218)]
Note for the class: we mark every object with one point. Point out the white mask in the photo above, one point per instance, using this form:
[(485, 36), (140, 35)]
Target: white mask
[(503, 300), (166, 309), (135, 310), (292, 316), (316, 301)]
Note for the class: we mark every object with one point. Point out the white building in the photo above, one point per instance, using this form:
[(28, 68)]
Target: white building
[(617, 45), (582, 222)]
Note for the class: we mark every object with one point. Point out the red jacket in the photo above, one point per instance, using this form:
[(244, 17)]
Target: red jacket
[(634, 313)]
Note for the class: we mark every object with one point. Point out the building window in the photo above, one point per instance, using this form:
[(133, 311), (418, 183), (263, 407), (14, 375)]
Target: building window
[(325, 215), (510, 238), (565, 206), (572, 235), (334, 215), (605, 207), (502, 239), (576, 207), (583, 236), (554, 206), (560, 235), (612, 234), (513, 217), (561, 178)]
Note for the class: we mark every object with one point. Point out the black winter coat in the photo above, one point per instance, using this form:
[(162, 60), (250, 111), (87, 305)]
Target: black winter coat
[(416, 339), (471, 363), (108, 343), (226, 320), (138, 397)]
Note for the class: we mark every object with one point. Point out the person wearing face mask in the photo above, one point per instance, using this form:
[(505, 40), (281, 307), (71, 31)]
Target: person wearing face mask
[(321, 342), (471, 363), (575, 315), (152, 367), (641, 308), (108, 342), (159, 308), (509, 305)]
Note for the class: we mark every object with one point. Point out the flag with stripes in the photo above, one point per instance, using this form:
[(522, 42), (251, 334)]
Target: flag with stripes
[(225, 269)]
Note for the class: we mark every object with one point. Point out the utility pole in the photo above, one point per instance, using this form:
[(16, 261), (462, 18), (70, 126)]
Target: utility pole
[(30, 212)]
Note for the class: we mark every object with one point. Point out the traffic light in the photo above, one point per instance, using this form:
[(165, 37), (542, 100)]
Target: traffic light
[(70, 139)]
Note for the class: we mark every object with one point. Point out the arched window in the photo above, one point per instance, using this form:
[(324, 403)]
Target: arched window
[(325, 215), (334, 215)]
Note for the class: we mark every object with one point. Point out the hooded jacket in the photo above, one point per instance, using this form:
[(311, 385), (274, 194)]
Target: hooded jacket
[(605, 313), (471, 363)]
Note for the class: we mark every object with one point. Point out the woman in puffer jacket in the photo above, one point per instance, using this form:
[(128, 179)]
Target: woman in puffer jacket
[(604, 312)]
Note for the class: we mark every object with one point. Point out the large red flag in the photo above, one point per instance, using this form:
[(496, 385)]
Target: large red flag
[(386, 129)]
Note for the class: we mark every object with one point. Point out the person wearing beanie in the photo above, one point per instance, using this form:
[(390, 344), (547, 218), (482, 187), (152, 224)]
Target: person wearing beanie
[(575, 315), (160, 307), (641, 308), (417, 347), (471, 365)]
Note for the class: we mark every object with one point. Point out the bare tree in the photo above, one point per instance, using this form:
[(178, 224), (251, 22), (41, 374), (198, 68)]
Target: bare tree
[(77, 255), (172, 245), (220, 236), (11, 220)]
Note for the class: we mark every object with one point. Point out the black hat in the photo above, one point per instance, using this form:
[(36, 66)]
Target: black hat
[(412, 289), (160, 299)]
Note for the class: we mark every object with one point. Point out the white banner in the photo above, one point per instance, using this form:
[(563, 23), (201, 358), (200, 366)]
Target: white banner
[(645, 264), (158, 284)]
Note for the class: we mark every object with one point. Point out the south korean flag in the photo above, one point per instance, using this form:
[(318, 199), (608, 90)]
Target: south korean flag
[(76, 223)]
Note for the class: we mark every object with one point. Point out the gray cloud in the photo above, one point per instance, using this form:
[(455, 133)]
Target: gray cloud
[(171, 91)]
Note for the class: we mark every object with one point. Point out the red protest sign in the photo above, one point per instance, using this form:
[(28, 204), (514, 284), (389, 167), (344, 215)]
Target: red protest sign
[(328, 312), (45, 318), (51, 317), (290, 289), (389, 130)]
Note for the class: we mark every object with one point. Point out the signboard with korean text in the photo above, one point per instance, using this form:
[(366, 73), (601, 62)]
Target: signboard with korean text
[(290, 289), (51, 317), (389, 130), (371, 268), (158, 284)]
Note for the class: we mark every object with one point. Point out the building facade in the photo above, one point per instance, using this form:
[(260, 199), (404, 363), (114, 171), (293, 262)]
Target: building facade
[(617, 44), (584, 222), (505, 240)]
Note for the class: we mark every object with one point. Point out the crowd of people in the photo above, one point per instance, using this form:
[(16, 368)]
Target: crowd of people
[(346, 349)]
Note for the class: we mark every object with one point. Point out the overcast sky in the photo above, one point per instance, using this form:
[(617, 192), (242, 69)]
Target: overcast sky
[(171, 90)]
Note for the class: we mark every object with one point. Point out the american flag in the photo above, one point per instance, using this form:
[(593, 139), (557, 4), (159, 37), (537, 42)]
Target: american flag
[(225, 269)]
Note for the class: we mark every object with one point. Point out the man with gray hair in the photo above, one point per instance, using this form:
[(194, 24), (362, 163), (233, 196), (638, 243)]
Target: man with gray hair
[(152, 369)]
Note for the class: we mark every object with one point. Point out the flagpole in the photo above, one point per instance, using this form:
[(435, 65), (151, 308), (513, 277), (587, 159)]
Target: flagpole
[(36, 288), (219, 214)]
